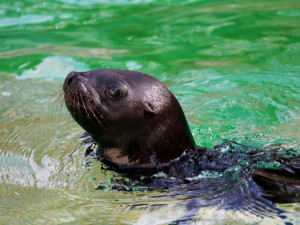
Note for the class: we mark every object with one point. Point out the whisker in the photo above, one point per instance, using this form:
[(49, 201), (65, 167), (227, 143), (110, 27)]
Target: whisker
[(86, 110), (71, 99), (84, 106), (58, 96), (95, 110), (100, 113), (78, 105), (93, 113), (77, 100)]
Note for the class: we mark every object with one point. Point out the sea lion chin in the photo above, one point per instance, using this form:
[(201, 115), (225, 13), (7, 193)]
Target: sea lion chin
[(132, 116)]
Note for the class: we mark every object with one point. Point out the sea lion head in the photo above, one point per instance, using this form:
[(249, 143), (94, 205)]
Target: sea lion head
[(132, 116)]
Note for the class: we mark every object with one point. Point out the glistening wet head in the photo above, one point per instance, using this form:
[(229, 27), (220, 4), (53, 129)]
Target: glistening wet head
[(133, 117)]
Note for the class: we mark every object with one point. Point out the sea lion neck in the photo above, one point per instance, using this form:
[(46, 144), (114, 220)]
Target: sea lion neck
[(157, 141), (133, 116)]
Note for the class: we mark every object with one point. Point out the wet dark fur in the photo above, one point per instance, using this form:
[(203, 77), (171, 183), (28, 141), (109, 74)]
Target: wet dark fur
[(280, 183), (243, 181), (146, 125)]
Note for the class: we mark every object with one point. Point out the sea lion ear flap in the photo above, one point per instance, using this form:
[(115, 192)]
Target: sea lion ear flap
[(149, 111)]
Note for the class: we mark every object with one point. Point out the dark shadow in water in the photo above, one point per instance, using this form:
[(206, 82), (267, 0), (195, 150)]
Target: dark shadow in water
[(230, 176)]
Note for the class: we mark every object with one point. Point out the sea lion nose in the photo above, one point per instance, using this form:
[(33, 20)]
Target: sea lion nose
[(72, 77), (72, 73)]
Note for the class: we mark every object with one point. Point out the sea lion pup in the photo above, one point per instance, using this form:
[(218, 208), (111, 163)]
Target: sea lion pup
[(141, 129), (133, 117)]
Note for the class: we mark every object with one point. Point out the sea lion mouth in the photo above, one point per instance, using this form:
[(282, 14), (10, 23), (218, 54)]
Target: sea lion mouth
[(83, 101)]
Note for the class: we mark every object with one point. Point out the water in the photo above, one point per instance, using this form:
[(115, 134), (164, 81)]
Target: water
[(233, 65)]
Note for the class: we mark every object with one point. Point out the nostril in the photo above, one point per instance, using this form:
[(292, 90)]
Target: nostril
[(69, 81), (70, 77), (74, 76)]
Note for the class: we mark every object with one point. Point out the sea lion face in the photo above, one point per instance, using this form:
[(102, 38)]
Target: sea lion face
[(124, 111), (113, 102)]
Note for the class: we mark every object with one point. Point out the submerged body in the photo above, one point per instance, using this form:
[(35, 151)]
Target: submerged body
[(141, 130)]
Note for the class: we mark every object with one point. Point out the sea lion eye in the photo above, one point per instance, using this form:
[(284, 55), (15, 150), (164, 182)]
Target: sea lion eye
[(114, 92)]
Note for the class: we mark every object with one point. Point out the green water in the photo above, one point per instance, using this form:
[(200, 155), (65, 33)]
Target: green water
[(233, 65)]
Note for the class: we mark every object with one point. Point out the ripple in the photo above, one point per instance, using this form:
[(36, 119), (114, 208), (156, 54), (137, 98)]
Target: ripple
[(233, 66), (64, 50), (25, 19), (47, 70), (106, 2)]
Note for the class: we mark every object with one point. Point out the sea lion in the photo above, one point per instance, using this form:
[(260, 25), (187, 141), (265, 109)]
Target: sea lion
[(141, 129), (133, 117)]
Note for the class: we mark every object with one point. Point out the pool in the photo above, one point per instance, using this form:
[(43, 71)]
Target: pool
[(234, 66)]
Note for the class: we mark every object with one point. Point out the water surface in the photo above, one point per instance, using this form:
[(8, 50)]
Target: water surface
[(233, 65)]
